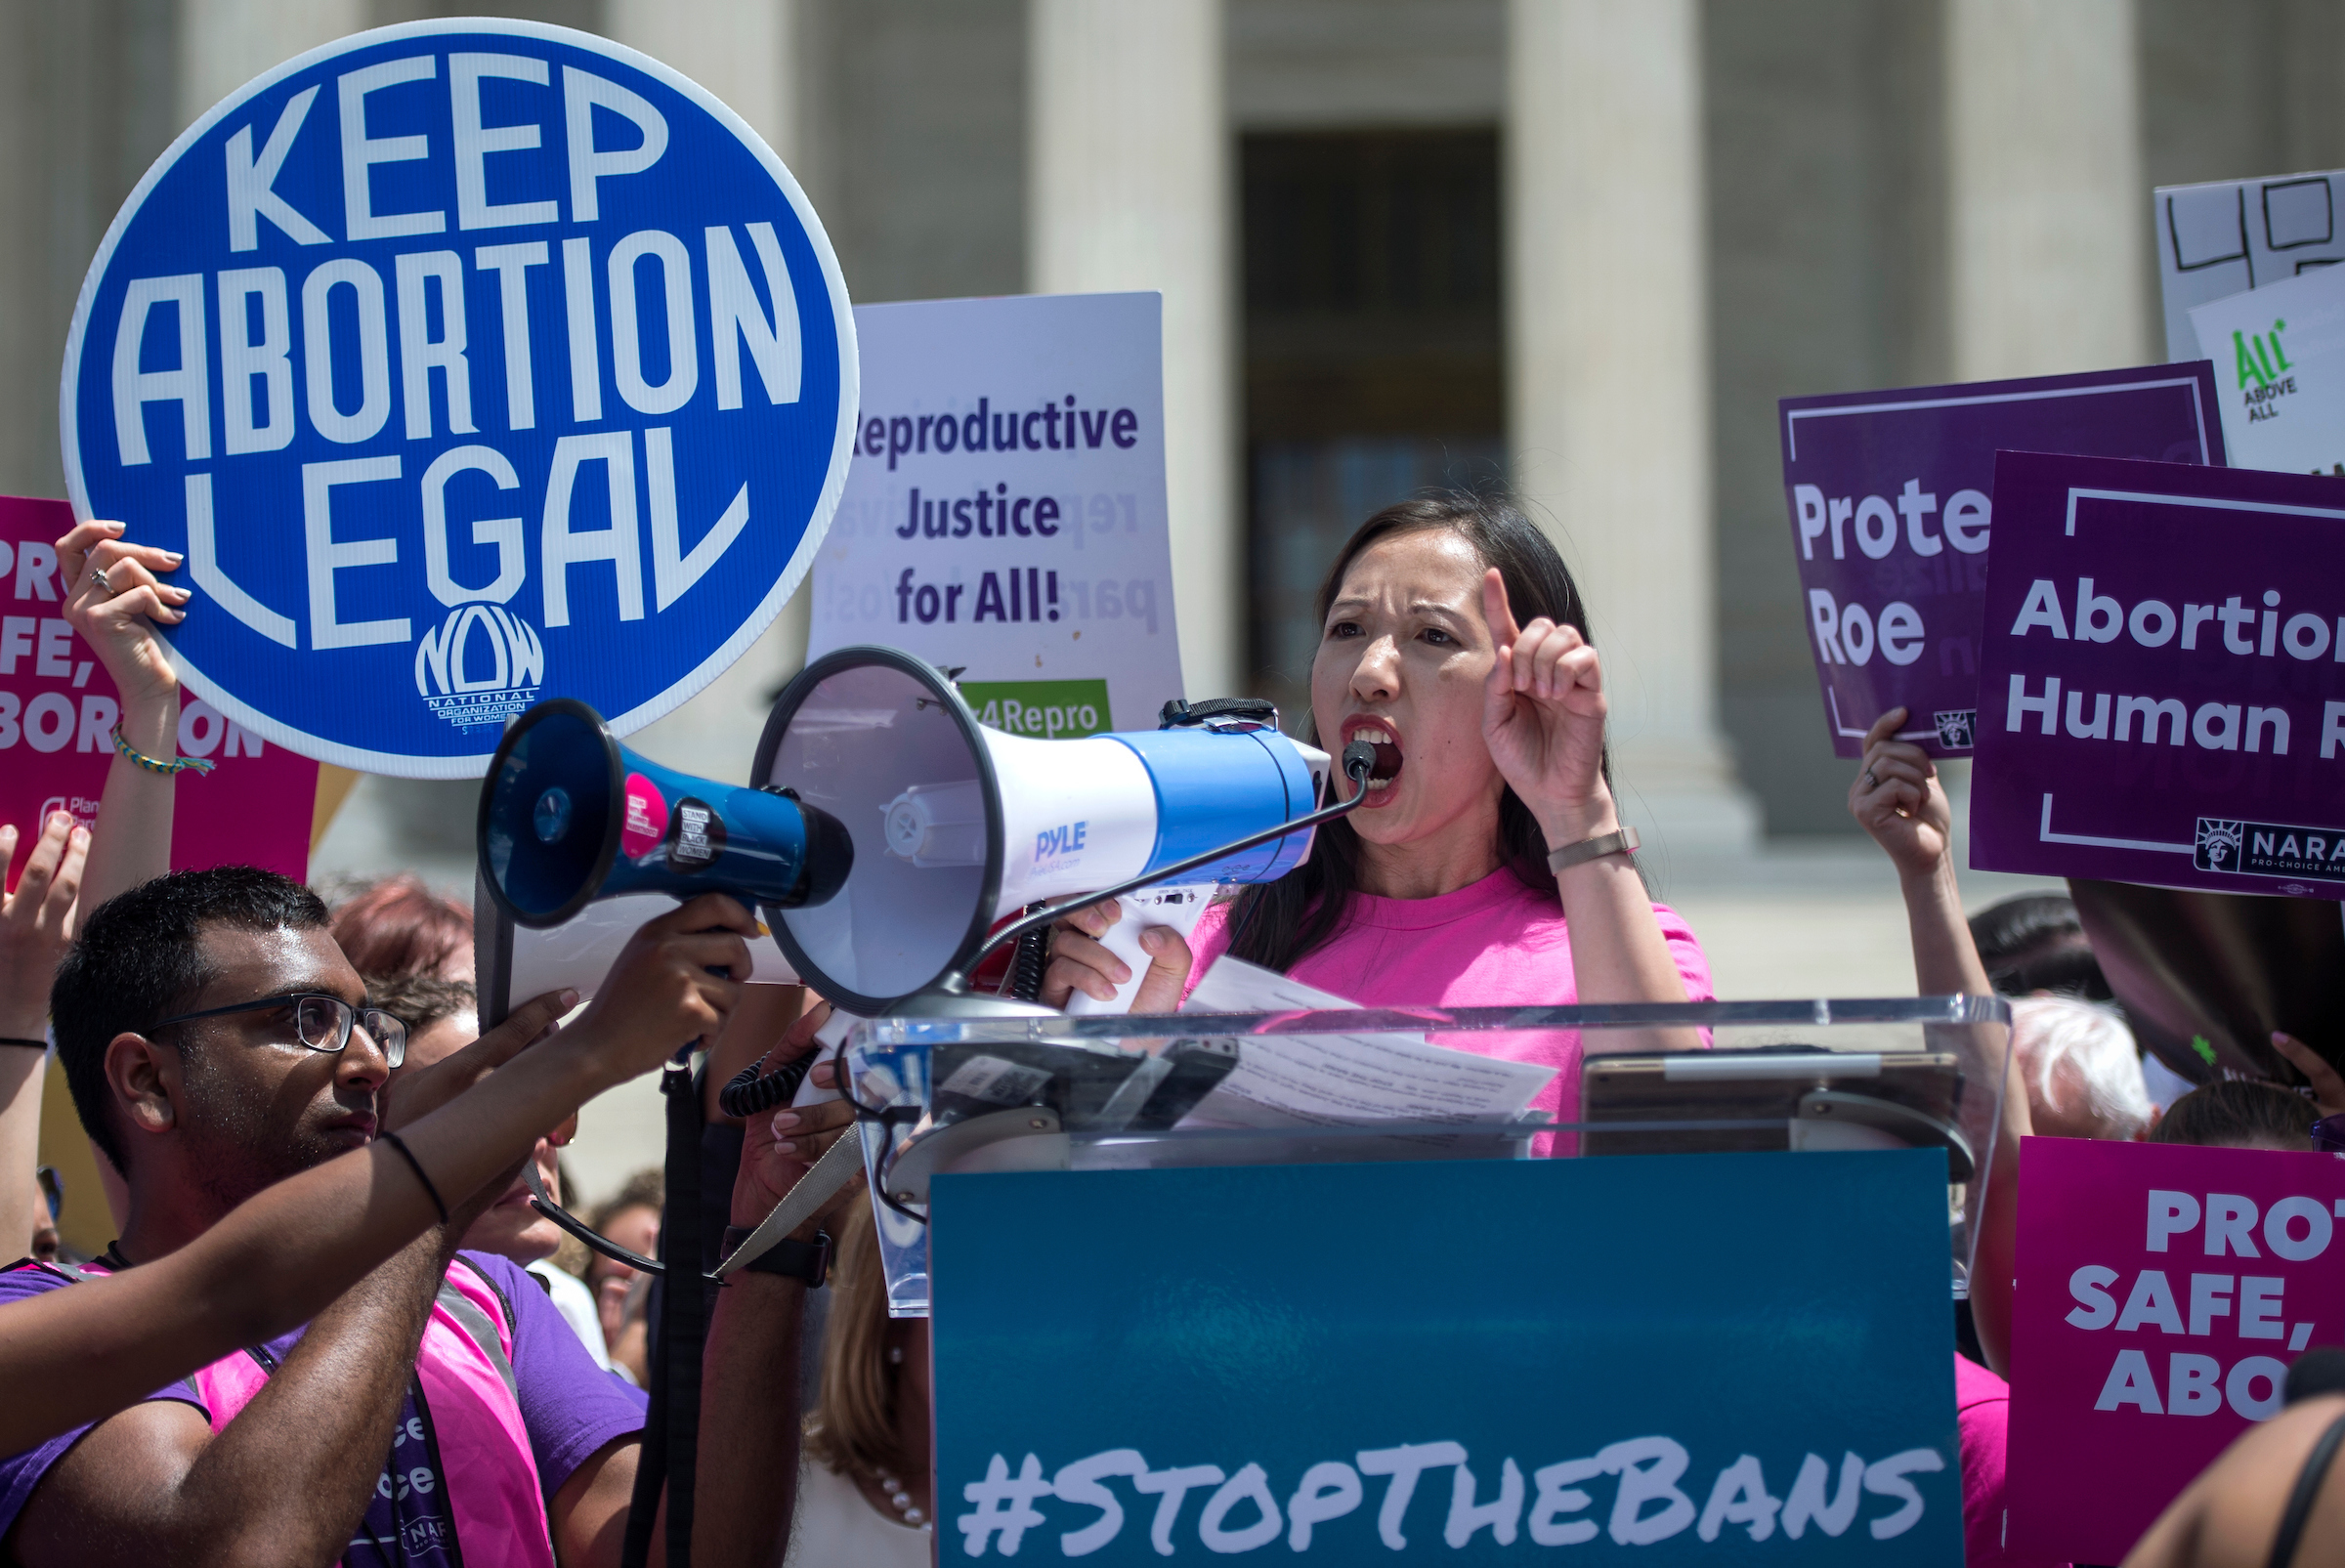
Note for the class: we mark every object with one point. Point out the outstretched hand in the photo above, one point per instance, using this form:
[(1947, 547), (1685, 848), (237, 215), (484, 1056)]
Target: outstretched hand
[(119, 617), (675, 981), (1898, 798), (778, 1149), (1542, 718), (36, 922), (417, 1093)]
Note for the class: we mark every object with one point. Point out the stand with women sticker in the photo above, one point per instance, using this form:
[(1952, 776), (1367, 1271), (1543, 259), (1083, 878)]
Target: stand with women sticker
[(468, 363)]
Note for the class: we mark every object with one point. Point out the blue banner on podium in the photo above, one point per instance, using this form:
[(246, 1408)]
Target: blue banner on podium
[(1697, 1357)]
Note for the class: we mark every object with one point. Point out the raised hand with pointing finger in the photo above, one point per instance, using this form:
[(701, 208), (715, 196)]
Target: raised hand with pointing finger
[(1542, 718)]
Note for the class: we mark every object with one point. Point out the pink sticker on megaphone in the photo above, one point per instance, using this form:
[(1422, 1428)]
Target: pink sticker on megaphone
[(647, 818)]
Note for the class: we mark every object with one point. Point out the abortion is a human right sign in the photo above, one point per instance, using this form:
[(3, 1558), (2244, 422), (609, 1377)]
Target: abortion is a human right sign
[(2162, 690)]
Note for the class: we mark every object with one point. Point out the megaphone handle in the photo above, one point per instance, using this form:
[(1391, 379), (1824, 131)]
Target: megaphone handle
[(1179, 908)]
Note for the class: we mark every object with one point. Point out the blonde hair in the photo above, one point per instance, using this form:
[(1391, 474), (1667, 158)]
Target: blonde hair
[(853, 1425)]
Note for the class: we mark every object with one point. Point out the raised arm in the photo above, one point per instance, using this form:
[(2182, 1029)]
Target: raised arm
[(284, 1253), (1898, 798), (115, 598), (1542, 718), (35, 925)]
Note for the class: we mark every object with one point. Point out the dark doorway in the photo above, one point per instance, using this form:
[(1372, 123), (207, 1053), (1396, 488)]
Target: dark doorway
[(1372, 353)]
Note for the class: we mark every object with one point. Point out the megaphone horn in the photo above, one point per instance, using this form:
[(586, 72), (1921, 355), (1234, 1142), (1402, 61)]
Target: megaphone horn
[(956, 824), (568, 815)]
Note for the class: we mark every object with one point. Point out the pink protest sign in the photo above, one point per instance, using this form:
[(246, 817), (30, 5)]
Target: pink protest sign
[(58, 710), (2161, 1292)]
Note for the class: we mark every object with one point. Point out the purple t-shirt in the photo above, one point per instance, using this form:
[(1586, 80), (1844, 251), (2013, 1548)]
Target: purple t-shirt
[(569, 1407)]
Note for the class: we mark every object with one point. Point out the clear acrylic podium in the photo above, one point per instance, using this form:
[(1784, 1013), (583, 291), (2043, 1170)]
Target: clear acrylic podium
[(1102, 1093)]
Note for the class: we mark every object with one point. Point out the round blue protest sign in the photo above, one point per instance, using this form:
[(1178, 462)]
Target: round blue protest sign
[(469, 364)]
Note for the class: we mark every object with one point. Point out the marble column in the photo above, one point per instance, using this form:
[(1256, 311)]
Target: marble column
[(223, 44), (744, 53), (1608, 371), (2049, 216), (1128, 187)]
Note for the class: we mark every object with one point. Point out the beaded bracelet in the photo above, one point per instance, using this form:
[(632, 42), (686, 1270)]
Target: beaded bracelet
[(174, 766)]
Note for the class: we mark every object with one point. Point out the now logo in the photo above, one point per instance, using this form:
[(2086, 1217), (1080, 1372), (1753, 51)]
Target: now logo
[(481, 666)]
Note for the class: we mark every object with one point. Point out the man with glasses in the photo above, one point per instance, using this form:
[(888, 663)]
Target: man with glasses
[(216, 1040)]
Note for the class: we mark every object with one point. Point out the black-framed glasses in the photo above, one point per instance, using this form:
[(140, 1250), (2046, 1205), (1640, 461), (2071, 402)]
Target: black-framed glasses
[(321, 1020)]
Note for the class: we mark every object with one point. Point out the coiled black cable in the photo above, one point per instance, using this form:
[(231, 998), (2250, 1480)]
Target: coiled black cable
[(752, 1089), (1029, 959)]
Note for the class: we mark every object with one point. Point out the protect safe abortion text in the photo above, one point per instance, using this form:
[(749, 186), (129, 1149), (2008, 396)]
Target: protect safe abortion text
[(2161, 1292), (1638, 1491)]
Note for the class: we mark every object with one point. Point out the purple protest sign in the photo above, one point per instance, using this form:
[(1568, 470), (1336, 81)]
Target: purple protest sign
[(1891, 497), (2162, 690), (2162, 1291)]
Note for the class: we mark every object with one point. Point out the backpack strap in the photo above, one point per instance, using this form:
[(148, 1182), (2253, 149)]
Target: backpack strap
[(2306, 1493), (480, 1327)]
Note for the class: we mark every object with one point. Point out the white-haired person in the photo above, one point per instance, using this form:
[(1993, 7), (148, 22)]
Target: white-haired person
[(2081, 1070)]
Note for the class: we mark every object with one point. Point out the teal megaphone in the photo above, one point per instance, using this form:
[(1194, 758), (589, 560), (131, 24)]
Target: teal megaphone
[(568, 815)]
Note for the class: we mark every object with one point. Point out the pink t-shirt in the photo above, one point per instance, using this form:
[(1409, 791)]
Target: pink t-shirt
[(1982, 1412), (1495, 944)]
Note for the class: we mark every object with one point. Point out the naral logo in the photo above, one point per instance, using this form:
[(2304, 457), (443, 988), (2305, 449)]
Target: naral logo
[(1956, 727), (2270, 849), (482, 666)]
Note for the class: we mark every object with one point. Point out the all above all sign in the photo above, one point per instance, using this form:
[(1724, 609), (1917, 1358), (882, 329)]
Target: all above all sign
[(469, 364), (2162, 693)]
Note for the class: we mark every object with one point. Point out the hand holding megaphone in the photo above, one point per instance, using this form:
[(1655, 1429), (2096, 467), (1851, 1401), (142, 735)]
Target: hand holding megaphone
[(780, 1146), (674, 981), (1129, 954)]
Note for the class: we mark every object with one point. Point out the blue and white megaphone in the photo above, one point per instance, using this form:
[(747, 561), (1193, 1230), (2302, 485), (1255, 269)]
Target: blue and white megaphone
[(569, 818), (954, 826)]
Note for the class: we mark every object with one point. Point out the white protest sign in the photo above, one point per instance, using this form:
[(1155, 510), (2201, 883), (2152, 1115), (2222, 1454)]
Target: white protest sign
[(1004, 512), (2226, 237), (469, 363), (2279, 372)]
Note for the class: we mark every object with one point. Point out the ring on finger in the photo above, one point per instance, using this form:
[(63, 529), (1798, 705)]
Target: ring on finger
[(97, 573), (1871, 783)]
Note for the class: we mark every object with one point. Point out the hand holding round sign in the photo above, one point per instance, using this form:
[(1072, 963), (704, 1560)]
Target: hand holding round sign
[(468, 363)]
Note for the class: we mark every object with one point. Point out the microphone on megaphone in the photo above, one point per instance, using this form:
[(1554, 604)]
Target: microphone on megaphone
[(954, 824)]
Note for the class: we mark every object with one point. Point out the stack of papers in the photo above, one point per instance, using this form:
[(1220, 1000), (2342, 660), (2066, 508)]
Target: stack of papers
[(1302, 1080)]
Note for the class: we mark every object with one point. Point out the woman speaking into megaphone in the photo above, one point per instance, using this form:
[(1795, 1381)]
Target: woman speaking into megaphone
[(1488, 865)]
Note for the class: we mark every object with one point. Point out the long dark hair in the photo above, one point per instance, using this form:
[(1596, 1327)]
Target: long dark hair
[(1277, 924)]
